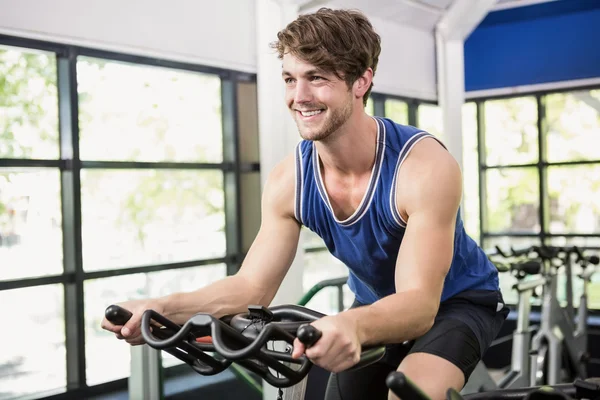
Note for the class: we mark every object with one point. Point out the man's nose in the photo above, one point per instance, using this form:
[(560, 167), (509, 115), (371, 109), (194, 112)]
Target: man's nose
[(302, 93)]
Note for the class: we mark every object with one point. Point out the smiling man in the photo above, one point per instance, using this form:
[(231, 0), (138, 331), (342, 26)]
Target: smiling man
[(385, 199)]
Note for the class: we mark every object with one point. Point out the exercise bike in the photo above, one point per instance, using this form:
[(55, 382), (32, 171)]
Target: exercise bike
[(561, 343), (588, 389), (519, 375), (210, 345)]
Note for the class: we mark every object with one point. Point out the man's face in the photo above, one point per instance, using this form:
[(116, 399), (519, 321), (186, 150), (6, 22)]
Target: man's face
[(319, 101)]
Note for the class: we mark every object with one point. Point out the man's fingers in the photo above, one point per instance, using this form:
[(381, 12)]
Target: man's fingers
[(299, 348)]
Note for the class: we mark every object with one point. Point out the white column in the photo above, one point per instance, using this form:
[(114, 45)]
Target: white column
[(460, 20), (277, 132)]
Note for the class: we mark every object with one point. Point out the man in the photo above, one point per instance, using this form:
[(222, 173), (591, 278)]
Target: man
[(385, 199)]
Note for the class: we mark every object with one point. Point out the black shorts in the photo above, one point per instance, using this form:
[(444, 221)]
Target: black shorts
[(464, 329)]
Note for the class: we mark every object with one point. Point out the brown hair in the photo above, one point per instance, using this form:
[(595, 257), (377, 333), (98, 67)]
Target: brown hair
[(342, 42)]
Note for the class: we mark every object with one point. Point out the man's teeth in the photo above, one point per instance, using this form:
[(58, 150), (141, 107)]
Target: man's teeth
[(310, 113)]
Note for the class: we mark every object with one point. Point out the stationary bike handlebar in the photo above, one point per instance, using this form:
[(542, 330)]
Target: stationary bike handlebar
[(240, 338)]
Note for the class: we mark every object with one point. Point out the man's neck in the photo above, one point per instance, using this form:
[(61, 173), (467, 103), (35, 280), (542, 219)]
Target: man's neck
[(351, 150)]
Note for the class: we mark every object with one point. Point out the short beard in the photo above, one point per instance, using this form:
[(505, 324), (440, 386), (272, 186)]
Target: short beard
[(334, 121)]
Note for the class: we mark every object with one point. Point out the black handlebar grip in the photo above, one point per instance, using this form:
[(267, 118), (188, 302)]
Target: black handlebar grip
[(308, 334), (530, 267), (117, 314), (594, 260), (403, 387), (520, 252)]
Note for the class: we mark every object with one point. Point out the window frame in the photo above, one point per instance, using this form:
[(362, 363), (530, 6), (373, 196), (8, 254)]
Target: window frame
[(70, 166)]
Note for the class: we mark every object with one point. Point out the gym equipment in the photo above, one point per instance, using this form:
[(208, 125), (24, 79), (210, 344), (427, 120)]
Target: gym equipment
[(561, 336), (539, 360), (242, 339), (588, 389), (519, 373)]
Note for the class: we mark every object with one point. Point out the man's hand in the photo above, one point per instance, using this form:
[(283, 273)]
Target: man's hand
[(338, 348), (131, 332)]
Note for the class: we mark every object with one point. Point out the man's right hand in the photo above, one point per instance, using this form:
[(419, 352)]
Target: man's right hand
[(131, 332)]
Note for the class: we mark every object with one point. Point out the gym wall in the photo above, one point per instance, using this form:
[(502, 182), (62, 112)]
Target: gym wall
[(207, 32)]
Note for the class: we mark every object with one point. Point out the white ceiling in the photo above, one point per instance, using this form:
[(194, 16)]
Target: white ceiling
[(420, 14)]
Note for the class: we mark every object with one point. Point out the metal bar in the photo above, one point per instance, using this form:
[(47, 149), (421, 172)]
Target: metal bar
[(488, 235), (482, 175), (542, 171), (153, 62), (315, 249), (544, 164), (38, 281), (34, 44), (70, 277), (532, 234), (154, 165), (18, 163), (71, 220), (531, 93), (486, 167), (249, 167), (413, 112), (153, 268), (231, 178), (378, 105)]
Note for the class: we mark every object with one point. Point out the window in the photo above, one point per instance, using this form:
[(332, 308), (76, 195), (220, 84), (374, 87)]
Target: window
[(28, 104), (430, 119), (160, 114), (137, 199), (30, 222), (511, 136), (573, 126), (541, 175), (143, 217), (35, 358), (397, 111)]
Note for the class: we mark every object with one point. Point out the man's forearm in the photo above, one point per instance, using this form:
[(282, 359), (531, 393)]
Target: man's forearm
[(230, 295), (395, 318)]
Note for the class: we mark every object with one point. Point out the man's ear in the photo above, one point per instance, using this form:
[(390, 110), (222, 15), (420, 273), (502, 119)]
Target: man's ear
[(363, 83)]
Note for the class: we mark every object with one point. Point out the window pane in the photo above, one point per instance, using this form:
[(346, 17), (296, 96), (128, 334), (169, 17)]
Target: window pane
[(511, 135), (100, 293), (140, 113), (370, 107), (28, 104), (512, 200), (397, 111), (429, 118), (321, 265), (34, 358), (141, 217), (574, 193), (506, 279), (470, 170), (573, 126), (310, 239), (30, 223)]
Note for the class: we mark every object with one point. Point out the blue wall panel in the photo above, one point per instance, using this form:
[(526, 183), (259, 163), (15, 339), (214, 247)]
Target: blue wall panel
[(548, 42)]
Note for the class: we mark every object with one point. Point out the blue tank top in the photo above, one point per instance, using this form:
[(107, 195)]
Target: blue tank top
[(368, 241)]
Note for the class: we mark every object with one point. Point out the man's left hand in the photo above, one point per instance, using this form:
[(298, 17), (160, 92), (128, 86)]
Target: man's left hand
[(338, 348)]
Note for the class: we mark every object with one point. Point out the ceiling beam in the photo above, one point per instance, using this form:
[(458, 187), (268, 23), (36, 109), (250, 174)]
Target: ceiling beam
[(462, 17)]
